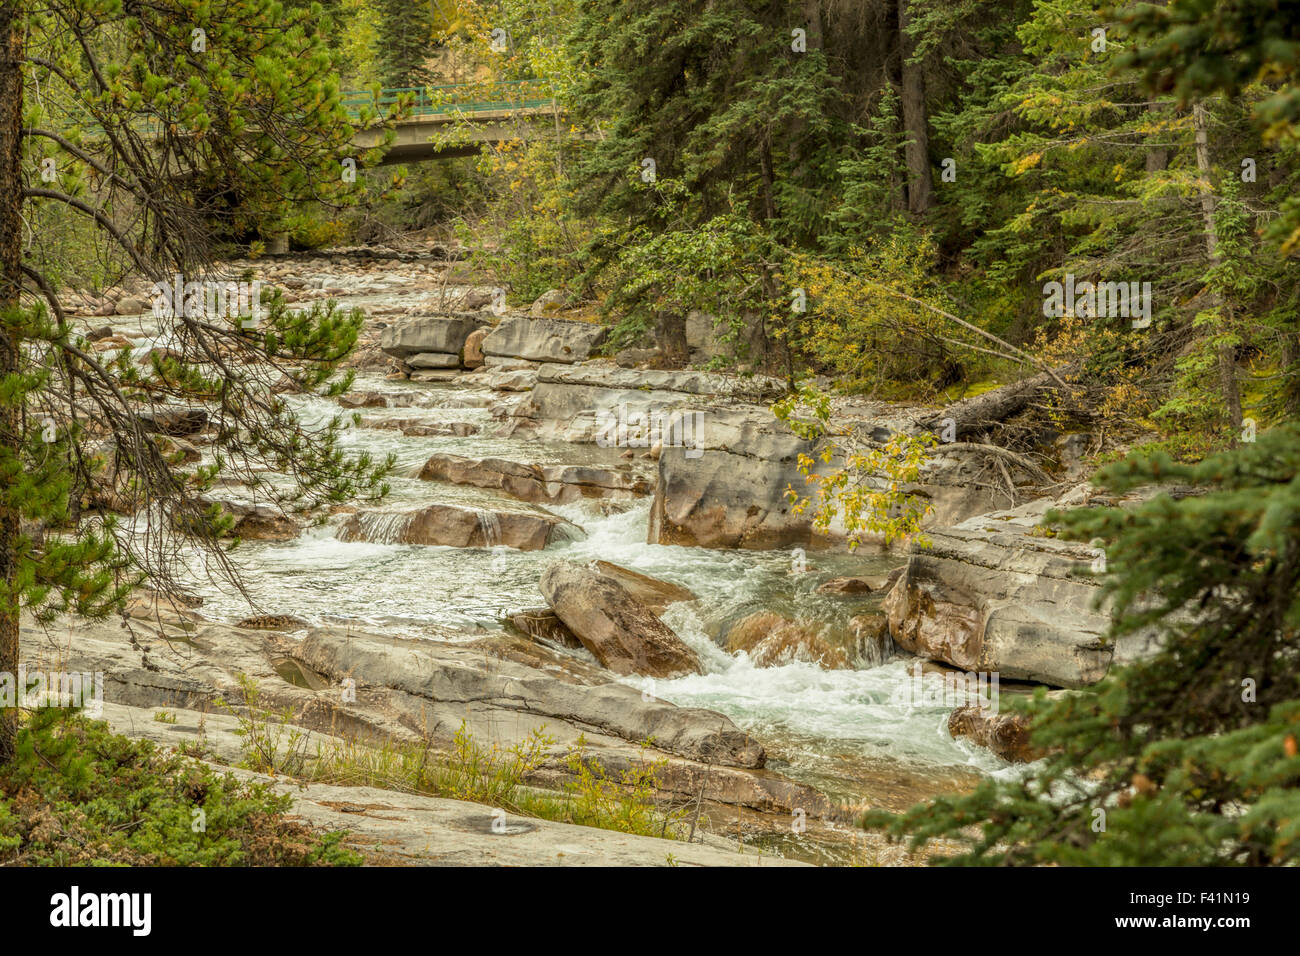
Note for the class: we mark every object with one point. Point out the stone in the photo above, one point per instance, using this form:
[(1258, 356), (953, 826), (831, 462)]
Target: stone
[(429, 333), (771, 640), (173, 420), (548, 303), (1007, 735), (990, 594), (434, 375), (549, 484), (363, 400), (459, 527), (850, 585), (544, 340), (623, 634), (653, 593), (473, 357), (541, 623), (132, 305), (433, 360)]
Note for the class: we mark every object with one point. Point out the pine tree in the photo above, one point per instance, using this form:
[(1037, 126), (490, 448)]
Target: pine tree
[(405, 42), (1187, 757), (160, 125)]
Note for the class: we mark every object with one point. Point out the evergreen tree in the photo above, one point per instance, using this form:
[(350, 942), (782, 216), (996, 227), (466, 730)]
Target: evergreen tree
[(405, 42), (159, 124), (1187, 757)]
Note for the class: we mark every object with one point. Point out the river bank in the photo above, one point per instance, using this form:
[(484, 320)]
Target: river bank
[(791, 705)]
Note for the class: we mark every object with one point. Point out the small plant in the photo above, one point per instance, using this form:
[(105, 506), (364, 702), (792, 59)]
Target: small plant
[(163, 717), (271, 743), (78, 794), (625, 803)]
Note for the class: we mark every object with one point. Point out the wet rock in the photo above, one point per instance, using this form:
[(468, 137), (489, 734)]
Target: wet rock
[(771, 640), (132, 305), (433, 360), (543, 340), (261, 522), (96, 335), (551, 484), (434, 375), (112, 343), (869, 636), (416, 427), (1007, 735), (179, 451), (363, 400), (652, 592), (272, 622), (459, 527), (623, 634), (990, 594), (847, 586)]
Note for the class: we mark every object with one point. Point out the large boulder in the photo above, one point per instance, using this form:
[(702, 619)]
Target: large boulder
[(444, 334), (587, 403), (459, 527), (990, 594), (623, 634), (551, 484), (543, 340), (652, 592)]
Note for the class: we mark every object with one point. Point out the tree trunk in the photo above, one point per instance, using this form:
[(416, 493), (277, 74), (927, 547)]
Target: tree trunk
[(920, 179), (670, 336), (991, 408), (1226, 354), (11, 99)]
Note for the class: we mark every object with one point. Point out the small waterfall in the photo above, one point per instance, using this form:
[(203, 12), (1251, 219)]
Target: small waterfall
[(873, 650), (384, 527), (489, 527)]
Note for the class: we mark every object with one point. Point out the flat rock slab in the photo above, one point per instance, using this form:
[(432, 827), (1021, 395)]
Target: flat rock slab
[(543, 340), (432, 831), (547, 484), (991, 595), (430, 333)]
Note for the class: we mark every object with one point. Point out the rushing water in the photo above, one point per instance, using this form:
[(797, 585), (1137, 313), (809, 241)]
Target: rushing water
[(853, 733)]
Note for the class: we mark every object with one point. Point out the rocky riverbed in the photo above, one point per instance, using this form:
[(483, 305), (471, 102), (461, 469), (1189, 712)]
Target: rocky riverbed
[(603, 550)]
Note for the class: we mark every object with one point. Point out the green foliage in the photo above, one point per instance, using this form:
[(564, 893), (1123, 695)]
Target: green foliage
[(1188, 756), (77, 794)]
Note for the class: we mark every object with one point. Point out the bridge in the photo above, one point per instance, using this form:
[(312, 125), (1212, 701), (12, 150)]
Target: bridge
[(458, 108)]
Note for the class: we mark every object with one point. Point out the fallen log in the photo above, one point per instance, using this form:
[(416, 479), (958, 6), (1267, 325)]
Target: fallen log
[(991, 408)]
